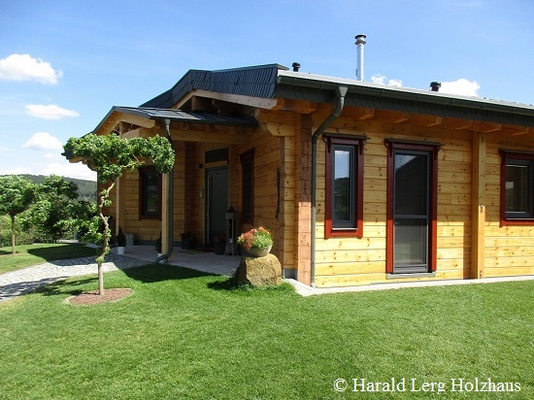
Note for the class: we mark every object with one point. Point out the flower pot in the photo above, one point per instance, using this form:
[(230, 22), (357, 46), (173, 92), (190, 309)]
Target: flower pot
[(259, 252)]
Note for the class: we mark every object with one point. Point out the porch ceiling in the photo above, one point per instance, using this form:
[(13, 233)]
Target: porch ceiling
[(188, 116), (146, 117)]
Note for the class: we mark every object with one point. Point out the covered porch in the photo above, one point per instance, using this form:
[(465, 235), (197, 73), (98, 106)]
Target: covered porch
[(204, 261)]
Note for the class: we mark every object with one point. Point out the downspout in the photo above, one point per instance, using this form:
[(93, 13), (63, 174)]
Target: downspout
[(171, 199), (341, 92)]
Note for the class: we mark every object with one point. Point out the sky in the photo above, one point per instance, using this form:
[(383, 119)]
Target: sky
[(65, 63)]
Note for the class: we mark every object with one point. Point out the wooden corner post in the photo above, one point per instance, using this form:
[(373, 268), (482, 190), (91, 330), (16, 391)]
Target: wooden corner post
[(478, 222), (165, 210)]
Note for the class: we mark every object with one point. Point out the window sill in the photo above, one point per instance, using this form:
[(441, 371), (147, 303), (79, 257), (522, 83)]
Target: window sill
[(344, 233), (517, 222), (408, 276)]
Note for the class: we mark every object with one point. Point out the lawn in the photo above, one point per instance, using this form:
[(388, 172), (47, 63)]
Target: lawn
[(38, 253), (186, 335)]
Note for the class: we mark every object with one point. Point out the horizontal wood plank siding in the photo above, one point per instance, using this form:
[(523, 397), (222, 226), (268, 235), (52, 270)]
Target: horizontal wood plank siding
[(509, 249), (352, 261)]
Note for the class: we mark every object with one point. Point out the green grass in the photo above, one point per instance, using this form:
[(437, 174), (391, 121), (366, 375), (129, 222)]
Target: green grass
[(185, 335), (38, 253)]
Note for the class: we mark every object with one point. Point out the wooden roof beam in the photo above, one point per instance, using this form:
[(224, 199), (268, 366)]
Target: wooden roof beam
[(363, 113), (488, 127), (524, 130), (298, 106), (425, 120), (396, 117)]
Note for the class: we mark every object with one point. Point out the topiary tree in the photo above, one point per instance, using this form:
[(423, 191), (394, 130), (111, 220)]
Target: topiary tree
[(109, 156), (16, 196)]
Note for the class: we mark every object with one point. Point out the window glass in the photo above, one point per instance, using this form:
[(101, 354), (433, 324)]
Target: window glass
[(150, 197), (517, 191), (517, 188), (343, 186)]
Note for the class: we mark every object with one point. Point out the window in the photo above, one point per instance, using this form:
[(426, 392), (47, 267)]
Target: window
[(344, 186), (247, 186), (517, 188), (150, 193)]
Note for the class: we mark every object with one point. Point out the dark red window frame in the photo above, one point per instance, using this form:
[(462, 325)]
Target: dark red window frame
[(247, 187), (433, 149), (357, 143), (143, 175), (506, 220)]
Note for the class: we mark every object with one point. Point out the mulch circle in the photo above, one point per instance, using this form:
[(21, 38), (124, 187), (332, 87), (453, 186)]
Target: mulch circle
[(92, 297)]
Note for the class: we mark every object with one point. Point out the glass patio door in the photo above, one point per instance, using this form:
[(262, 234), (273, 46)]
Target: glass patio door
[(411, 211)]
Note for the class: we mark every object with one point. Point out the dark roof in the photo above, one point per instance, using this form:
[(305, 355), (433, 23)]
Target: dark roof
[(256, 81), (187, 116), (274, 80), (318, 88)]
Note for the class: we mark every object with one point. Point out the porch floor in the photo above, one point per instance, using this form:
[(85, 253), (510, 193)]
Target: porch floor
[(204, 261)]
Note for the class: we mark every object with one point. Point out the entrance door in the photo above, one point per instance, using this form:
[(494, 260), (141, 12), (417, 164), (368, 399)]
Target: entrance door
[(216, 202), (412, 208)]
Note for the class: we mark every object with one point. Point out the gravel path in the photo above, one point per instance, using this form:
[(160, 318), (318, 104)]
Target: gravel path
[(25, 280)]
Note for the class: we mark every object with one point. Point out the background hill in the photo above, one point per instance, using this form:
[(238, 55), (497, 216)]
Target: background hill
[(86, 189)]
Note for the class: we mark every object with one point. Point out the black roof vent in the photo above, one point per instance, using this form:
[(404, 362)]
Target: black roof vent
[(296, 66), (434, 86)]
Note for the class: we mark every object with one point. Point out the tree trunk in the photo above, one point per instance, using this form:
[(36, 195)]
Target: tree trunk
[(104, 196), (13, 234), (100, 279)]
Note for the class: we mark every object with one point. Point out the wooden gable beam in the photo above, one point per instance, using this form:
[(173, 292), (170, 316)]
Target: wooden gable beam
[(249, 101), (208, 136), (137, 120)]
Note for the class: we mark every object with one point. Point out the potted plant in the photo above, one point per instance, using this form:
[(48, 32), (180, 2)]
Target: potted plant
[(219, 242), (121, 241), (257, 241), (188, 240)]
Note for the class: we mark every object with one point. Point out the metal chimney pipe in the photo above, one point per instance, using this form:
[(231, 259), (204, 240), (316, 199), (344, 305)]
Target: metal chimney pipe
[(296, 67), (360, 42)]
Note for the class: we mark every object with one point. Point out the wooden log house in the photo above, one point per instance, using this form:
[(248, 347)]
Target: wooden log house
[(360, 183)]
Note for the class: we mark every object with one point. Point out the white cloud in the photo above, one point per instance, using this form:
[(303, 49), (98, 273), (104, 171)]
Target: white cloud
[(461, 87), (23, 67), (383, 80), (55, 164), (50, 111), (43, 141), (71, 170)]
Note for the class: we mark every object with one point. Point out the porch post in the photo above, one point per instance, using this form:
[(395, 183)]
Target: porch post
[(165, 209), (478, 203), (303, 198)]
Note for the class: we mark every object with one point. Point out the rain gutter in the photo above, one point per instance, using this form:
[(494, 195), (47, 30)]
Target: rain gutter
[(170, 199), (341, 92)]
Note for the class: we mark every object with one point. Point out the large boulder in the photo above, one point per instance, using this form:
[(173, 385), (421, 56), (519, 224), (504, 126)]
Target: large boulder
[(259, 271)]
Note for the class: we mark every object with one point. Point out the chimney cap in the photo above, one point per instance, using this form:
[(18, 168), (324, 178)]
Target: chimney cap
[(296, 66), (434, 86), (360, 39)]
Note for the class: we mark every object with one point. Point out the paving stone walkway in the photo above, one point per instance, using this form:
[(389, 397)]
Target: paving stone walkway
[(25, 280)]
